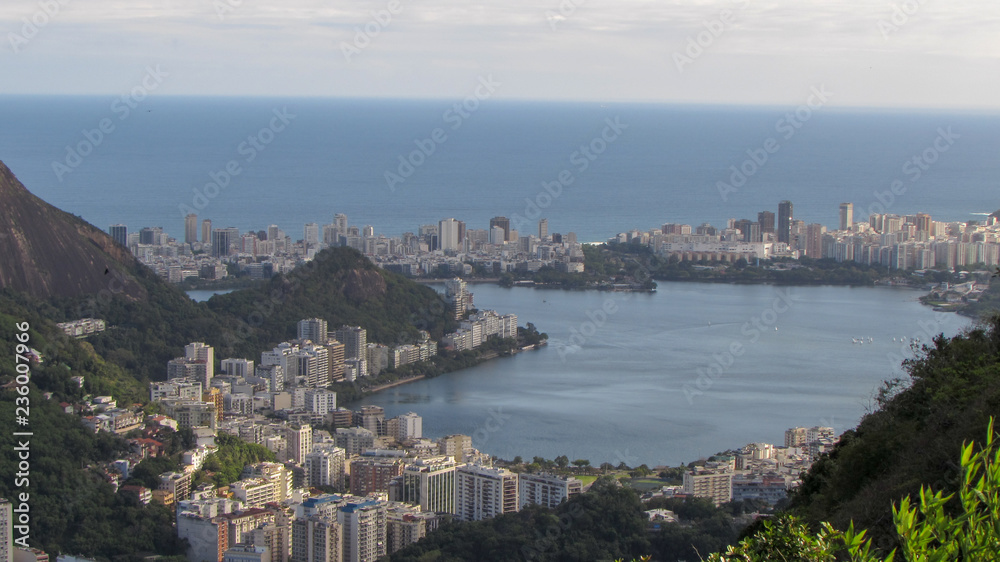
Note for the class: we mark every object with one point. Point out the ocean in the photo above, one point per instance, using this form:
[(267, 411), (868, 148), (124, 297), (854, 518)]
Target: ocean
[(397, 164)]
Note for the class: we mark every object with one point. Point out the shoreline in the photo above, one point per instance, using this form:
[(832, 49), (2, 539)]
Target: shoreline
[(488, 356)]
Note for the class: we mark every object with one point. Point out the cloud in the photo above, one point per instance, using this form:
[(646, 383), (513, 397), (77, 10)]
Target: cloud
[(568, 49)]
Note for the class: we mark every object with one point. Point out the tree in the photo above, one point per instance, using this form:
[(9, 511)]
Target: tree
[(580, 463), (562, 461), (927, 531)]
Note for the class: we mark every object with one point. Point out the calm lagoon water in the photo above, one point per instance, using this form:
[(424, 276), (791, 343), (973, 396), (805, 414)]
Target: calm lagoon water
[(629, 390)]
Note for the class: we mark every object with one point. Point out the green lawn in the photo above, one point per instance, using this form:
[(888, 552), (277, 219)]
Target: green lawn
[(587, 480)]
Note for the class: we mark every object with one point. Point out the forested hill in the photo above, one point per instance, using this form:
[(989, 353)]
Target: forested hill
[(340, 285), (914, 438)]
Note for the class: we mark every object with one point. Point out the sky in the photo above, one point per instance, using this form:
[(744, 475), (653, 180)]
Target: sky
[(929, 53)]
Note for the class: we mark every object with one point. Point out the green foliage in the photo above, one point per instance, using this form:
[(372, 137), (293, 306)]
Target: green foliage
[(73, 509), (928, 532), (912, 439), (232, 457)]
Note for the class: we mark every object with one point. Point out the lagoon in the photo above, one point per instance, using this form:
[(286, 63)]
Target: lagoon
[(676, 375)]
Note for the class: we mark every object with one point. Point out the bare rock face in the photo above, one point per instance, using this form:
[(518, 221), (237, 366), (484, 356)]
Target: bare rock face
[(46, 252), (363, 284)]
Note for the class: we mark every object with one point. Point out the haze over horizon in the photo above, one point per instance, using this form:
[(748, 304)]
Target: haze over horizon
[(913, 54)]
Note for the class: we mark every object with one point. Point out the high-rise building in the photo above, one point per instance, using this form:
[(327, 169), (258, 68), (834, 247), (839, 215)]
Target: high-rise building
[(206, 231), (430, 483), (713, 483), (924, 222), (299, 440), (150, 235), (407, 525), (364, 526), (484, 492), (846, 216), (120, 233), (199, 351), (354, 440), (6, 531), (314, 365), (325, 466), (502, 222), (448, 235), (814, 240), (457, 297), (543, 229), (340, 220), (766, 220), (547, 490), (316, 538), (222, 241), (191, 228), (310, 234), (455, 446), (368, 231), (372, 418), (355, 340), (233, 367), (371, 474), (785, 218), (313, 329)]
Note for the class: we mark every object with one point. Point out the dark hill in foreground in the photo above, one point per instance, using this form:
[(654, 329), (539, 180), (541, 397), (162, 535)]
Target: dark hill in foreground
[(914, 438), (46, 252)]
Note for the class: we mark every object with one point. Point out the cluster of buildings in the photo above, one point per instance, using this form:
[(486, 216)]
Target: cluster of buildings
[(759, 471), (82, 328), (903, 242), (444, 249)]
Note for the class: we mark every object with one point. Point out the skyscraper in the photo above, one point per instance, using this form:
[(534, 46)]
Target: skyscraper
[(191, 228), (340, 220), (448, 235), (313, 329), (543, 229), (206, 231), (504, 223), (310, 234), (846, 216), (355, 340), (222, 240), (766, 220), (484, 492), (120, 233), (785, 222), (364, 526)]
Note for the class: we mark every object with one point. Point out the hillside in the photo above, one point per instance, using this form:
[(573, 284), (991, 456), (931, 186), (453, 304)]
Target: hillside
[(46, 252), (913, 438)]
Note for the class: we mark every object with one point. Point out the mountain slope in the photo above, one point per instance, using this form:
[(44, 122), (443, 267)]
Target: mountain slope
[(46, 252), (913, 439)]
